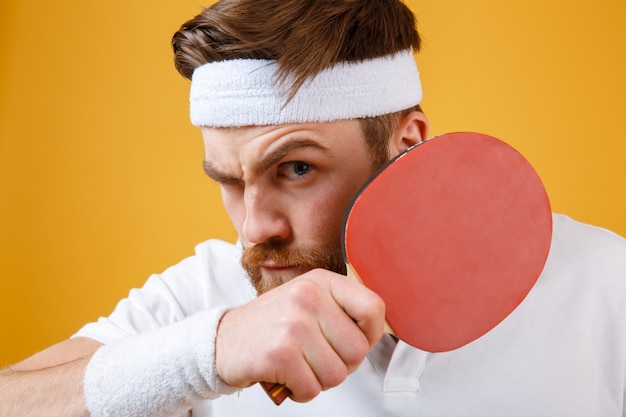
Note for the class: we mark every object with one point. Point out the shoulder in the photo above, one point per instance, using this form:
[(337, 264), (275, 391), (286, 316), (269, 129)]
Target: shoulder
[(211, 278), (581, 242), (590, 256), (212, 275), (217, 252)]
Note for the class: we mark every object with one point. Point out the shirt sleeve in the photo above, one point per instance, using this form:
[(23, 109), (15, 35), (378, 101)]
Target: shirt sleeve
[(211, 278)]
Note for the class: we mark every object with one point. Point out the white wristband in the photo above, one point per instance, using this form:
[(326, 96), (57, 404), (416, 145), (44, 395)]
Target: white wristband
[(163, 372)]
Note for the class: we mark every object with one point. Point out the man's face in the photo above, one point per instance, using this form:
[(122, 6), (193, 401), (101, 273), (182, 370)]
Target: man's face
[(286, 189)]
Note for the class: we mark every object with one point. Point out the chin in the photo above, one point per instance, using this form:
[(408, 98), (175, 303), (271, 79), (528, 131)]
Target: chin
[(270, 280)]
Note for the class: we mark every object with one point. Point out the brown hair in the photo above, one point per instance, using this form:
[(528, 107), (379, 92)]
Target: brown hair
[(377, 131), (303, 36)]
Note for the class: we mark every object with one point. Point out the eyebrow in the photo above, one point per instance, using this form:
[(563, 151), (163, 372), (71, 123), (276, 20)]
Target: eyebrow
[(265, 163), (216, 175)]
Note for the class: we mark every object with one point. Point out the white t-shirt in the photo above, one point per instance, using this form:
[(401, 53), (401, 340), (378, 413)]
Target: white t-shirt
[(562, 352)]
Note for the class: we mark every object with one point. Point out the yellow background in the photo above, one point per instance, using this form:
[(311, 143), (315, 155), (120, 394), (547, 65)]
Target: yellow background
[(100, 171)]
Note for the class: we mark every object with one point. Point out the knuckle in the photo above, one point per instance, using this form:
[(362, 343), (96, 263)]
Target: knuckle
[(304, 295), (374, 309), (306, 392), (358, 352), (280, 355), (334, 377), (284, 349), (295, 331), (377, 306)]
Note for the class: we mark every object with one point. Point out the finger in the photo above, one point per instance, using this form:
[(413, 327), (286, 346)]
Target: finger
[(363, 305), (345, 337), (301, 381), (329, 365)]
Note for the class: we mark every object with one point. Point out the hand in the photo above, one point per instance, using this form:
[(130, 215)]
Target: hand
[(307, 334)]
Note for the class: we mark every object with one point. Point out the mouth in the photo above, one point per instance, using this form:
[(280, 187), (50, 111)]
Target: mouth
[(269, 263), (271, 267)]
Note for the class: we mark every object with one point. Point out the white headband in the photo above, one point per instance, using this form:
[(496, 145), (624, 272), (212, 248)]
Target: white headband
[(244, 92)]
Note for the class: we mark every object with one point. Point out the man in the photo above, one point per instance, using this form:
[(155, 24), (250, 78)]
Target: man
[(299, 102)]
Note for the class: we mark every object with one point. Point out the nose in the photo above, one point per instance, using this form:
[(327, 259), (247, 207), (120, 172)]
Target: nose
[(265, 217)]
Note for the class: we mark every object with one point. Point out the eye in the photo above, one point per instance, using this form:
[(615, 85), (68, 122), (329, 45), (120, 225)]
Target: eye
[(294, 170)]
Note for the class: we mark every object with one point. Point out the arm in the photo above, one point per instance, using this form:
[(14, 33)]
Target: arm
[(325, 326), (48, 383)]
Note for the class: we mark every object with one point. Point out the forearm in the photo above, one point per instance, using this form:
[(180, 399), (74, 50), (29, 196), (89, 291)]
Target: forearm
[(163, 372), (54, 391), (159, 373)]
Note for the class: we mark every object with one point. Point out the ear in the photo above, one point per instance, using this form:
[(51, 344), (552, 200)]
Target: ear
[(412, 129)]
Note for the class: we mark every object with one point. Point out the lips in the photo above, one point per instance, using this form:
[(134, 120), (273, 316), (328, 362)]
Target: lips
[(269, 263), (271, 266)]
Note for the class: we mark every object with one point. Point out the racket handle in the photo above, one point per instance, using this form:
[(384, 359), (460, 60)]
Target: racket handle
[(277, 392)]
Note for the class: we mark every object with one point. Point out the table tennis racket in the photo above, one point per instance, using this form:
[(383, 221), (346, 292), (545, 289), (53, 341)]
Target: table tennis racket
[(452, 234)]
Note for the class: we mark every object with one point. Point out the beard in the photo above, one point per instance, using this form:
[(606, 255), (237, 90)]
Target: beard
[(305, 259)]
